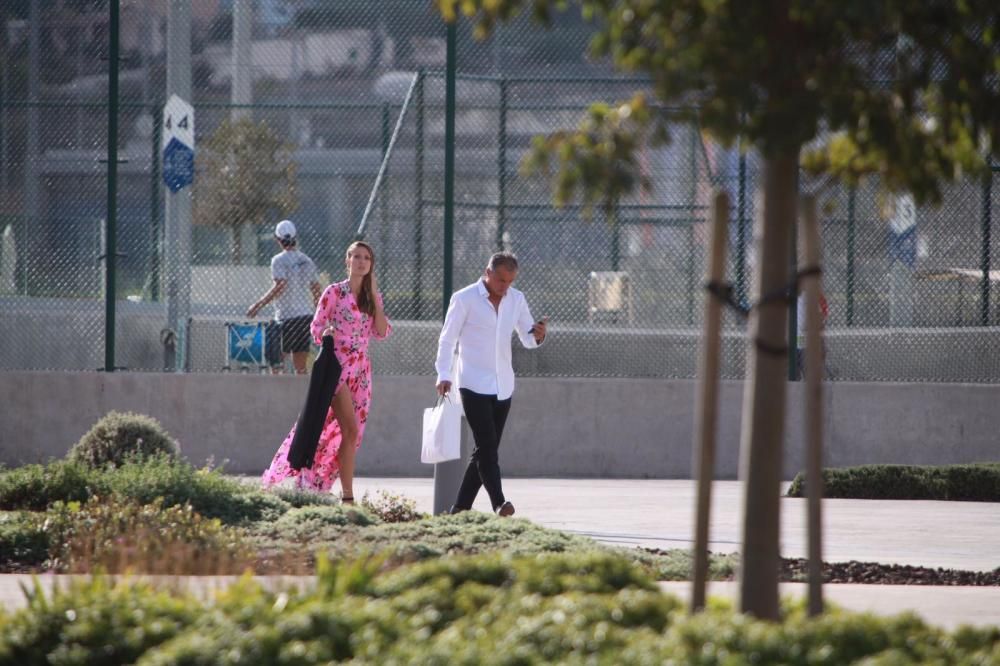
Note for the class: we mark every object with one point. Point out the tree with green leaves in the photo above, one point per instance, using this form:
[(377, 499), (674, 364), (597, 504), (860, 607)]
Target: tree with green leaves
[(246, 175), (795, 80)]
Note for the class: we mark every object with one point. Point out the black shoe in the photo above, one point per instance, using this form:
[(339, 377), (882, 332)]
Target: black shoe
[(505, 509)]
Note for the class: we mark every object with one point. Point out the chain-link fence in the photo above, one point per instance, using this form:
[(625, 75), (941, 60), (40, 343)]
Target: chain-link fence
[(350, 96)]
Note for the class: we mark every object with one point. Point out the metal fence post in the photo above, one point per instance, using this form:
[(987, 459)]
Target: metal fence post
[(502, 166), (111, 240), (449, 169), (985, 259), (384, 196), (418, 229), (793, 299), (448, 476), (851, 201), (741, 230), (155, 218)]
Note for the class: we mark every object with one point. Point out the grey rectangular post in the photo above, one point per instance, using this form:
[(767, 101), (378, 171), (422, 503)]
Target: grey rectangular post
[(448, 475)]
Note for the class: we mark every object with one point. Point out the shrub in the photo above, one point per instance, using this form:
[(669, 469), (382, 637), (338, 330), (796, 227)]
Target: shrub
[(555, 608), (312, 520), (297, 497), (34, 487), (116, 535), (975, 483), (22, 541), (209, 492), (118, 437), (392, 508), (93, 622)]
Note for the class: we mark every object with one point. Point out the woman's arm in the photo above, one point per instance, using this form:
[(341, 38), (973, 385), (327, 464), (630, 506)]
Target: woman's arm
[(381, 327), (324, 314)]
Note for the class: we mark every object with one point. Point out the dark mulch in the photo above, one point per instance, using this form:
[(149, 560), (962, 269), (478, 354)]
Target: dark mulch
[(796, 570), (887, 574)]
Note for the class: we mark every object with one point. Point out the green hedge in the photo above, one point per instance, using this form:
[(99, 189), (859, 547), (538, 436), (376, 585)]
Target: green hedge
[(37, 487), (971, 483), (568, 609)]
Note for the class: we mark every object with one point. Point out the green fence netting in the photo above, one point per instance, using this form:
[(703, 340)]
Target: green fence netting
[(353, 89)]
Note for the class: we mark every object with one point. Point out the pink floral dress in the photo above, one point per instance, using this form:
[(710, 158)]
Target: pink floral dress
[(350, 342)]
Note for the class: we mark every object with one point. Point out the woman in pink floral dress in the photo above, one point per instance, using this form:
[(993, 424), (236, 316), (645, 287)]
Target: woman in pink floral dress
[(351, 311)]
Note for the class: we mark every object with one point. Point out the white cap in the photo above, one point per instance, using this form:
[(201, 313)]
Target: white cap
[(285, 230)]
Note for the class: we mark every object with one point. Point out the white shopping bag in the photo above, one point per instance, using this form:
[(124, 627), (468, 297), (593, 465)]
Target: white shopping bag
[(442, 439)]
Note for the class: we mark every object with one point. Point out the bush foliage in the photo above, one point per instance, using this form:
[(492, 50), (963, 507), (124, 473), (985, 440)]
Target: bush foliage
[(121, 436), (285, 529), (115, 535), (973, 483), (493, 609), (209, 492)]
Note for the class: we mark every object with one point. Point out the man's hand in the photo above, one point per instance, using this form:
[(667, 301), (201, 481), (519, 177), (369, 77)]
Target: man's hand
[(443, 388), (254, 309), (538, 330)]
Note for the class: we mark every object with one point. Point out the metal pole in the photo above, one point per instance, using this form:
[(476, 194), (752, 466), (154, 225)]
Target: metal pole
[(449, 170), (448, 476), (985, 259), (418, 228), (241, 93), (708, 397), (615, 237), (177, 225), (111, 239), (31, 223), (693, 202), (502, 166), (384, 198), (812, 286), (851, 199), (793, 307), (741, 230), (155, 217), (4, 119)]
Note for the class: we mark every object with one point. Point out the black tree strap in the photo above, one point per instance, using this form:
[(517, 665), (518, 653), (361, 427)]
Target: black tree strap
[(724, 293), (770, 350)]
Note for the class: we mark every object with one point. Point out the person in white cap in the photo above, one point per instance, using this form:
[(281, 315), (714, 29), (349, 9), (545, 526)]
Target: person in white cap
[(295, 293)]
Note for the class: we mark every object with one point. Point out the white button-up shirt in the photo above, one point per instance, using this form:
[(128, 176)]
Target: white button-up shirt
[(483, 336)]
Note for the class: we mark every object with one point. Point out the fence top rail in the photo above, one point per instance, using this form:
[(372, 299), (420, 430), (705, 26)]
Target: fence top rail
[(515, 206), (629, 80), (157, 103)]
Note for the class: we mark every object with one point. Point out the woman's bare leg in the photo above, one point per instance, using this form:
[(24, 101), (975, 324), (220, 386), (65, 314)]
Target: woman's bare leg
[(343, 410)]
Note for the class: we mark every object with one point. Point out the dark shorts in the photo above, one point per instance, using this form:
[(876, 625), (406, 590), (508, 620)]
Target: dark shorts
[(272, 350), (295, 334)]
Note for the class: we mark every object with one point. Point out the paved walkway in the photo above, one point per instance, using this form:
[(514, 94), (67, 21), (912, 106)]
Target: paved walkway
[(659, 514)]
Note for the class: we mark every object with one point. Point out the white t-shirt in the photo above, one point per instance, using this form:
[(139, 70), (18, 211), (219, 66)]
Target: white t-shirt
[(299, 272)]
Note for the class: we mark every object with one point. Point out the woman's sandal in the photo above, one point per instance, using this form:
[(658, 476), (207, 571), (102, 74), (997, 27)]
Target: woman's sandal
[(347, 500)]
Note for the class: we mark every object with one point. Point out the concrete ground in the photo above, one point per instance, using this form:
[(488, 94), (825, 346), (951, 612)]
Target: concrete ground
[(659, 514)]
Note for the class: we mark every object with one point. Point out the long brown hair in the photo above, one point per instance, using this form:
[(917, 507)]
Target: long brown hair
[(366, 299)]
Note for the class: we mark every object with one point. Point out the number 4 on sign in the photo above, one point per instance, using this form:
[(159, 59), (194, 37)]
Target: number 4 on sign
[(178, 122), (183, 124)]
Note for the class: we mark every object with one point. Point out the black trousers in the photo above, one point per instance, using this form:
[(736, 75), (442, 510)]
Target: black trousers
[(486, 416)]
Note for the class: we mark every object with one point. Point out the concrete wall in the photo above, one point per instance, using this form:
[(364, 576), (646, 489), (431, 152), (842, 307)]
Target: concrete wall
[(558, 427)]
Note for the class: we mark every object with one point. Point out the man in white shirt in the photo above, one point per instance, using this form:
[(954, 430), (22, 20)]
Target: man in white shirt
[(481, 319)]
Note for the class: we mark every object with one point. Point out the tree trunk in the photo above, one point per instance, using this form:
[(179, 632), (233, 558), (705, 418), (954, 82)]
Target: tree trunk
[(762, 441)]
